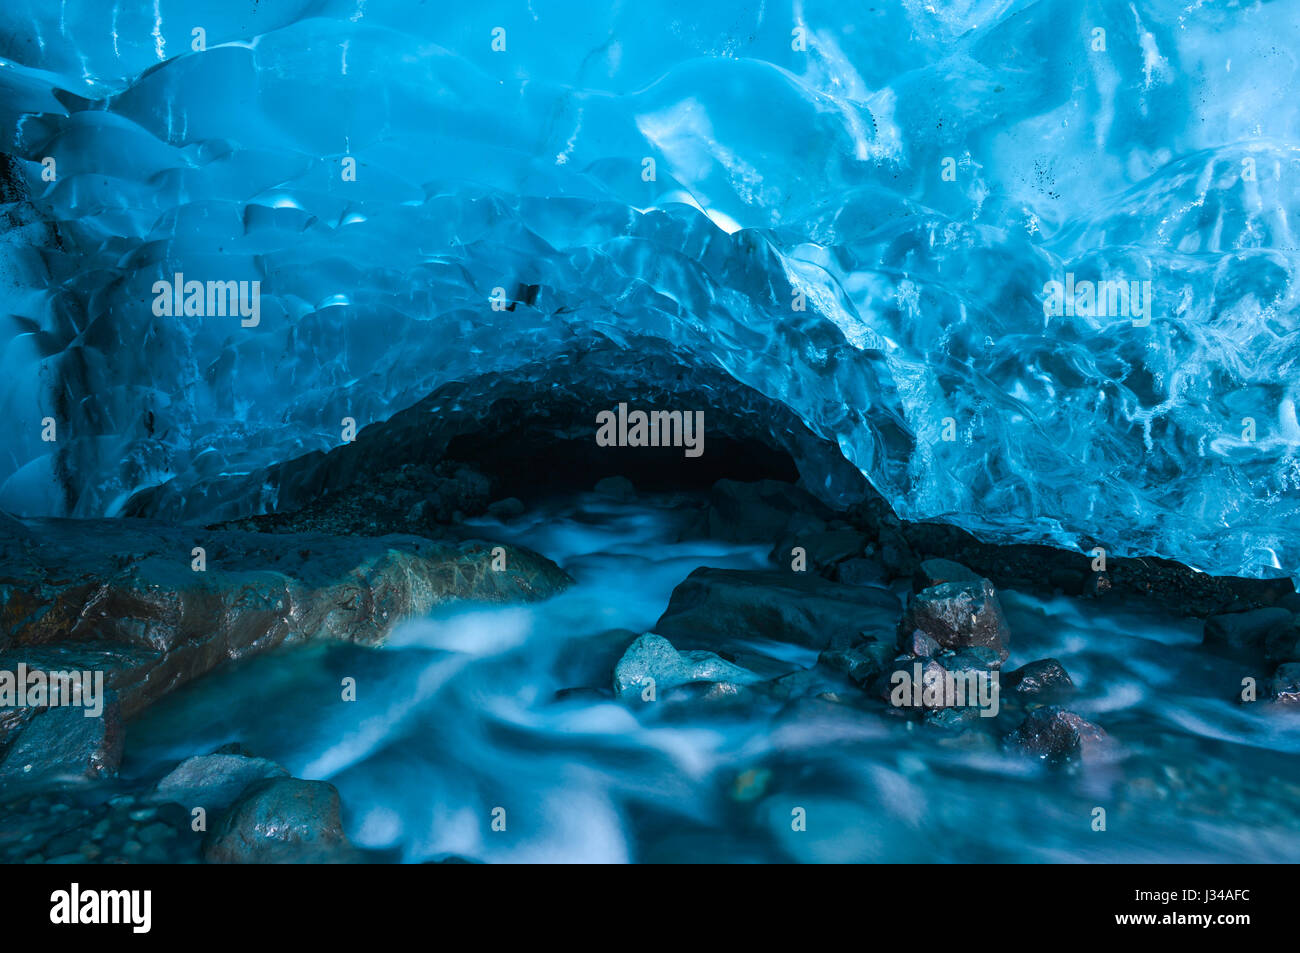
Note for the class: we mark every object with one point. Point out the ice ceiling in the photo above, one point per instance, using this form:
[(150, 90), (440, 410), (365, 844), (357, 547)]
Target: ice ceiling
[(912, 174)]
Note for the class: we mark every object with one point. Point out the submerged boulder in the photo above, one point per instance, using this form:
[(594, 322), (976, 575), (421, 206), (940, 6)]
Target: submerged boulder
[(1250, 631), (797, 608), (816, 682), (281, 821)]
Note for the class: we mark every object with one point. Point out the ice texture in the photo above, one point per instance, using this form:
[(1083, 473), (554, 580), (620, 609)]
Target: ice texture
[(1168, 156)]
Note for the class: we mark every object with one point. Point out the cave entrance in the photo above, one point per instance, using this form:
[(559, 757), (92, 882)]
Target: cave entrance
[(528, 459)]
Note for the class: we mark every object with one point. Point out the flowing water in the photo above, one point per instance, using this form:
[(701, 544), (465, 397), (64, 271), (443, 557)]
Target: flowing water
[(458, 716)]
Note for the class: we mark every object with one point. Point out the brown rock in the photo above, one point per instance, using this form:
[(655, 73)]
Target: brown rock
[(126, 589), (960, 615), (1057, 735)]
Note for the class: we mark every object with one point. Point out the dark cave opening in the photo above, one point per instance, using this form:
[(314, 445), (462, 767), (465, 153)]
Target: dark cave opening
[(533, 433), (526, 462)]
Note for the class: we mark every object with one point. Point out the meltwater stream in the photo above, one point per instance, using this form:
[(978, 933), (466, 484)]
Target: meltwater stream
[(474, 710)]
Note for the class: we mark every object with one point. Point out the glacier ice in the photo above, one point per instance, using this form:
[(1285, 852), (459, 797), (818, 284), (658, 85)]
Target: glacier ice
[(914, 174)]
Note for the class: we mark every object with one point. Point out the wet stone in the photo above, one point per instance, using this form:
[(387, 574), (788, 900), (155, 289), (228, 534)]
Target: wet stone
[(282, 820), (1284, 687), (1056, 735), (654, 657), (960, 615), (1038, 677)]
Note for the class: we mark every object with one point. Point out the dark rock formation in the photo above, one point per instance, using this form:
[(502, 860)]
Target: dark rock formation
[(966, 679), (772, 511), (414, 498), (978, 658), (64, 744), (820, 681), (798, 608), (1170, 585), (12, 720)]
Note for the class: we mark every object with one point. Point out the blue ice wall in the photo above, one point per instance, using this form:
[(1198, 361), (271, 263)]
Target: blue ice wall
[(914, 173)]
